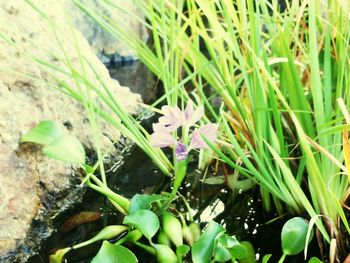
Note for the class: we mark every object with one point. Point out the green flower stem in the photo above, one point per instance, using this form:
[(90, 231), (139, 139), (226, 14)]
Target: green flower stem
[(282, 258), (180, 173)]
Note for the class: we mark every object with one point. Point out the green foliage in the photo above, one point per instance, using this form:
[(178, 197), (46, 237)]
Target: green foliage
[(43, 133), (138, 202), (58, 256), (293, 236), (314, 260), (59, 146), (66, 148), (203, 248), (106, 233), (111, 253), (165, 254), (144, 220)]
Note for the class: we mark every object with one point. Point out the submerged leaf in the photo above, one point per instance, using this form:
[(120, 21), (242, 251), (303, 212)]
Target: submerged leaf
[(79, 219), (44, 133), (144, 220), (66, 148), (111, 253)]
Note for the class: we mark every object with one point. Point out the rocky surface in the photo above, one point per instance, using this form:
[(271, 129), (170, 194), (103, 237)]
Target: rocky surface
[(106, 46), (29, 94)]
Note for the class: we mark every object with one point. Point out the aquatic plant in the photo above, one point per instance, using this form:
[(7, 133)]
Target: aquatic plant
[(283, 77), (282, 82)]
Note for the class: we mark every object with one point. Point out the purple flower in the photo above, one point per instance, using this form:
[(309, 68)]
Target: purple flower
[(209, 131), (181, 151), (172, 117), (162, 137), (191, 116)]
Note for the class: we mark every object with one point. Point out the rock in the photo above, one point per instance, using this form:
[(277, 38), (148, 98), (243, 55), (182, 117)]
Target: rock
[(29, 94), (106, 46)]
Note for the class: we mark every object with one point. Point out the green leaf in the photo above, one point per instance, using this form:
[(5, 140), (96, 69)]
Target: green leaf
[(144, 220), (111, 253), (59, 254), (202, 250), (181, 251), (143, 201), (266, 258), (221, 254), (66, 148), (44, 133), (250, 253), (236, 250), (314, 260), (293, 235)]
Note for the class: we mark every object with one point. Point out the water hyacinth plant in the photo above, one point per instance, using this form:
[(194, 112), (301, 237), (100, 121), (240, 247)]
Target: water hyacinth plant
[(283, 76), (275, 83)]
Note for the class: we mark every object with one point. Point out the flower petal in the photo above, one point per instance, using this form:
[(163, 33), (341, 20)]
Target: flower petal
[(172, 117), (209, 131), (192, 116), (162, 139)]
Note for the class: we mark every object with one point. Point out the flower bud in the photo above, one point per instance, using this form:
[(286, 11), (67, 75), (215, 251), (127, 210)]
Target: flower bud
[(172, 227), (165, 254)]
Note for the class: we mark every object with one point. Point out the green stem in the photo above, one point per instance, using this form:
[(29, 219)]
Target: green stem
[(180, 173), (103, 189), (148, 249), (282, 258)]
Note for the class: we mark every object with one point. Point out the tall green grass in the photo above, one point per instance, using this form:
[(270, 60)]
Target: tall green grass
[(279, 75)]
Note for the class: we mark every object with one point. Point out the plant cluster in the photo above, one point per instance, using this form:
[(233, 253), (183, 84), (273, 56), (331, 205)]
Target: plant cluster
[(274, 86)]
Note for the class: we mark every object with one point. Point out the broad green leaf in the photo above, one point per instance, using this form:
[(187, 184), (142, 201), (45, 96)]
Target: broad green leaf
[(143, 202), (250, 255), (44, 133), (144, 220), (111, 253), (228, 241), (236, 250), (221, 254), (293, 235), (314, 260), (202, 250), (66, 148), (57, 257), (182, 251)]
